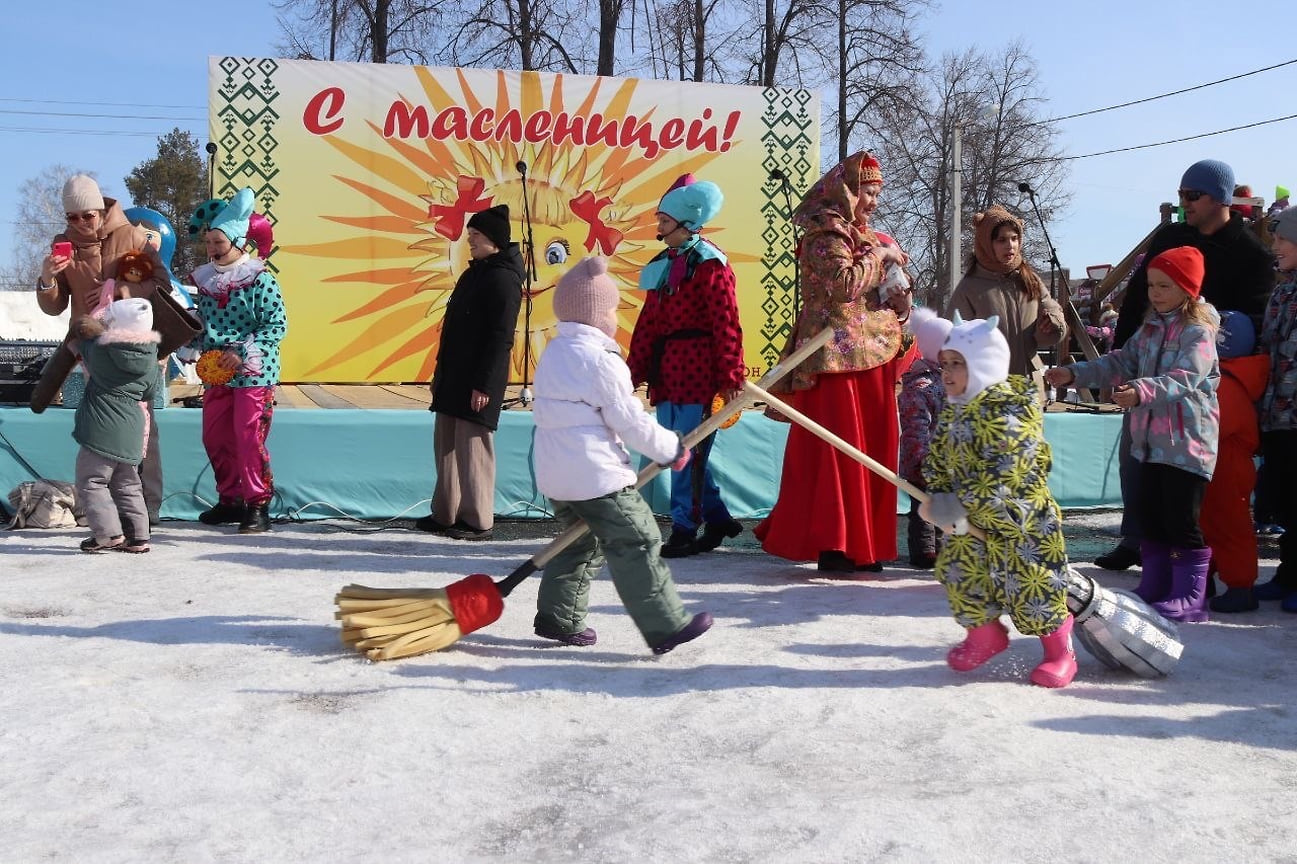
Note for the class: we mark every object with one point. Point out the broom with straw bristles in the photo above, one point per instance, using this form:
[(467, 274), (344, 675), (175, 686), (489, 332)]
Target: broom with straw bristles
[(1118, 628), (388, 623)]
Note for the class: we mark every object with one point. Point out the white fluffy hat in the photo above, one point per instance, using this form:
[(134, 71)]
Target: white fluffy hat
[(985, 351)]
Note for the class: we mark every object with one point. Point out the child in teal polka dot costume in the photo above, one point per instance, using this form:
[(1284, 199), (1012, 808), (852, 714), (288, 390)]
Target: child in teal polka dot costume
[(244, 318)]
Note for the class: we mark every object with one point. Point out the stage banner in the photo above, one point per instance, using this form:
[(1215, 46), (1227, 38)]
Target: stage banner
[(370, 171)]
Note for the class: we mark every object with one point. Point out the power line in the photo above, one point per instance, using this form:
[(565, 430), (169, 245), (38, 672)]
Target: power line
[(102, 104), (35, 130), (1163, 95), (1179, 140), (87, 114)]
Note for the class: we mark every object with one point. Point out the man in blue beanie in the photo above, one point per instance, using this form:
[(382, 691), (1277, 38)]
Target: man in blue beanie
[(1239, 276)]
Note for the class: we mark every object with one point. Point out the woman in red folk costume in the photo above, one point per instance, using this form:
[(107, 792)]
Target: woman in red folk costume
[(830, 508), (688, 347)]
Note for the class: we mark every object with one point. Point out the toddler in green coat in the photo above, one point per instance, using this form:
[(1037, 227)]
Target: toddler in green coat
[(119, 349)]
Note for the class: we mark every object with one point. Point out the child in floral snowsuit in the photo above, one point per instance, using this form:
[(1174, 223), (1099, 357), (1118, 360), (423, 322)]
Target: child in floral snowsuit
[(989, 465), (921, 401)]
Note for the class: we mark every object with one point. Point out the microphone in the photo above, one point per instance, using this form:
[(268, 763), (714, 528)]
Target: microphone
[(211, 147), (522, 167), (1025, 188), (776, 174)]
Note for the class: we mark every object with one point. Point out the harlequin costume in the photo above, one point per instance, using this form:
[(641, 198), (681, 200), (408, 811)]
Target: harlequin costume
[(688, 346), (242, 311)]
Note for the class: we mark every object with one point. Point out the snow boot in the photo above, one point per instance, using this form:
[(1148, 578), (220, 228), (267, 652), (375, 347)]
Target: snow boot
[(981, 644), (1155, 573), (681, 543), (1059, 666), (696, 627), (1188, 599)]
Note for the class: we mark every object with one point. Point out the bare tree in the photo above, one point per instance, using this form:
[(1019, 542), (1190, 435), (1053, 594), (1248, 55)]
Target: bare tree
[(37, 218), (519, 34), (791, 37), (378, 31), (993, 104), (878, 59), (610, 12)]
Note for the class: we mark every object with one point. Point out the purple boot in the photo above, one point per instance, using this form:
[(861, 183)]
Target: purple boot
[(1188, 598), (1155, 575), (700, 624), (579, 639)]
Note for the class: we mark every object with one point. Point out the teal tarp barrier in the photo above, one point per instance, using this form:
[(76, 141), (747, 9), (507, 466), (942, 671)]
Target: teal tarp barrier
[(378, 464)]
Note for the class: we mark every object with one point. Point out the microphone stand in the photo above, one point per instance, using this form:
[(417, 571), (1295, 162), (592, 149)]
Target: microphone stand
[(1054, 265), (776, 174), (529, 266), (211, 169)]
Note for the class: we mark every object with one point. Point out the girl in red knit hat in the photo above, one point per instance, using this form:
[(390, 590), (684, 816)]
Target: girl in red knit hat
[(1168, 372)]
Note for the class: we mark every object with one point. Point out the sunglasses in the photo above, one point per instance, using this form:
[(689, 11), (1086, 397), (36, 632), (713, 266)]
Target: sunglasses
[(1190, 195), (89, 216)]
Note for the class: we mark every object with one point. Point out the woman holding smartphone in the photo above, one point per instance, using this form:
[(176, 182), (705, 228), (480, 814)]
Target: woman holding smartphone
[(82, 258)]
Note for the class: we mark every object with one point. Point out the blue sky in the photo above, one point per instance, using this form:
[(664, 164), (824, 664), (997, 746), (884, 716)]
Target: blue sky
[(1089, 55)]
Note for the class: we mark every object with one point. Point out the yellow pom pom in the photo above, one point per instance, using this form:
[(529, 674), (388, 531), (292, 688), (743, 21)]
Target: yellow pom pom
[(209, 368), (718, 403)]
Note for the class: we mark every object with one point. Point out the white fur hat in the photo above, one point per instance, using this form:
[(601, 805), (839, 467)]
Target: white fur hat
[(985, 351), (930, 331), (134, 314)]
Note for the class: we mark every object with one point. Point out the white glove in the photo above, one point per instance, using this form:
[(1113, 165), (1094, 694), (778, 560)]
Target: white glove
[(947, 510)]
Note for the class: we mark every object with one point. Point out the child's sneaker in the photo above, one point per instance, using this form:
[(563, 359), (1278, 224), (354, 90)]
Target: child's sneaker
[(92, 544), (134, 546)]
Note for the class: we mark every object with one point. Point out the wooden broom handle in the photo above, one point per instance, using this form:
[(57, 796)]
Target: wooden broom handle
[(707, 427), (824, 434)]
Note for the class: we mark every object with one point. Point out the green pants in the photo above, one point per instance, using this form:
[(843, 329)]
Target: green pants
[(623, 531)]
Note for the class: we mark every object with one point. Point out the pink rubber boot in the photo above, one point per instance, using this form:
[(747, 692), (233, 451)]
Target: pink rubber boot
[(981, 644), (1059, 667)]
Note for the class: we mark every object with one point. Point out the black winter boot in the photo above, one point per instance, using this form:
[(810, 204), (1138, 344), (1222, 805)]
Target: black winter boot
[(256, 519), (680, 544), (714, 533), (223, 513)]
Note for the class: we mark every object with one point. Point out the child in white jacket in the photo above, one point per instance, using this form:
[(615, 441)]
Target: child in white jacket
[(585, 407)]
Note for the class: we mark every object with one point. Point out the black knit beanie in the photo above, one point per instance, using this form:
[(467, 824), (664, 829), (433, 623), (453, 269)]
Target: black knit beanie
[(494, 223)]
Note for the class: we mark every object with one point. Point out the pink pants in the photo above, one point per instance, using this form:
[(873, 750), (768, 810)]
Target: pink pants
[(236, 421)]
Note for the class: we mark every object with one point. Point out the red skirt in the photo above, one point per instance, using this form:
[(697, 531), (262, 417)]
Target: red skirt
[(828, 501)]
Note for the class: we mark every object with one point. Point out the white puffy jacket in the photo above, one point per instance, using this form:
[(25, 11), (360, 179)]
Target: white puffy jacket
[(585, 408)]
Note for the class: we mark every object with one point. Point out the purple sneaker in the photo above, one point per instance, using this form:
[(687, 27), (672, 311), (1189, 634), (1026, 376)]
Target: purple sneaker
[(700, 624), (579, 640)]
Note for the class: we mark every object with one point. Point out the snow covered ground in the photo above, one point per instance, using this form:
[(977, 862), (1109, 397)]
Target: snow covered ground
[(195, 705)]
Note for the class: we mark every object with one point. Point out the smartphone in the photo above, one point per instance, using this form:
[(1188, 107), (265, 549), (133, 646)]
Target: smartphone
[(62, 249)]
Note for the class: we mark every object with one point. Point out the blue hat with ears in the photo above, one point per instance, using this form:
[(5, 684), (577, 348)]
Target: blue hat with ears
[(985, 352), (692, 204), (233, 220)]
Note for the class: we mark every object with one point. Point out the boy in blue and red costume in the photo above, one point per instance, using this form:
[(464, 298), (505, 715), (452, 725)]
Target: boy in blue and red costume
[(688, 347)]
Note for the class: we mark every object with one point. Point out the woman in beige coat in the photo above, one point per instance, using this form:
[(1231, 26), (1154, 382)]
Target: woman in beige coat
[(1001, 283)]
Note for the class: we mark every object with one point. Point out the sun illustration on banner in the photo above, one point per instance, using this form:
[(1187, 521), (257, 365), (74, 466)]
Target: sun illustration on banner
[(593, 199)]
